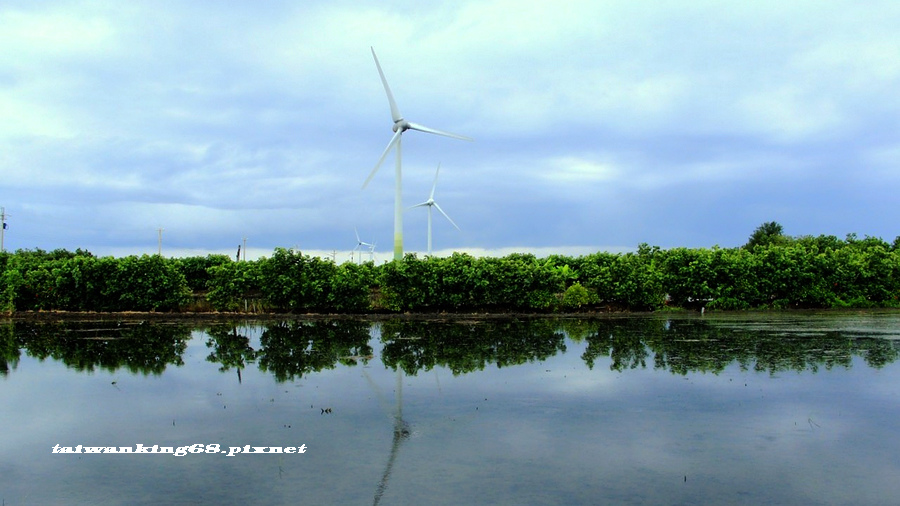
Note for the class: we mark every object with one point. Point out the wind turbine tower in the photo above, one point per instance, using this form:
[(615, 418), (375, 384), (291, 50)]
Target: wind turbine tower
[(400, 125)]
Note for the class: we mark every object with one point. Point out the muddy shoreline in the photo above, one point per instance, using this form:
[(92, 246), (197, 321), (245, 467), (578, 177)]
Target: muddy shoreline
[(214, 317), (202, 317)]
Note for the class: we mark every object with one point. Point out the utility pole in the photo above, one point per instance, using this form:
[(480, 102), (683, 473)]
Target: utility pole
[(244, 251), (159, 243), (2, 230)]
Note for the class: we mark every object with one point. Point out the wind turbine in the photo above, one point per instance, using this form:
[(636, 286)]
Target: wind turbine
[(360, 244), (431, 203), (400, 126)]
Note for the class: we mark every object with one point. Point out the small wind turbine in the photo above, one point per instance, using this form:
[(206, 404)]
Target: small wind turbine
[(431, 203), (400, 126), (359, 245), (372, 252)]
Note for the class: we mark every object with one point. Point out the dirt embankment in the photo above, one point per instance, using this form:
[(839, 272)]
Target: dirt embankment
[(201, 317)]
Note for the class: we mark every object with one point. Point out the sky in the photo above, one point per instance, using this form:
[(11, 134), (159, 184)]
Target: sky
[(597, 125)]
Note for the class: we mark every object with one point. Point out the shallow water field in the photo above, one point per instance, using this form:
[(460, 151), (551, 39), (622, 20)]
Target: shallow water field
[(781, 408)]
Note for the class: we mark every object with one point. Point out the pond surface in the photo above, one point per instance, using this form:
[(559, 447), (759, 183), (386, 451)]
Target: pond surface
[(662, 409)]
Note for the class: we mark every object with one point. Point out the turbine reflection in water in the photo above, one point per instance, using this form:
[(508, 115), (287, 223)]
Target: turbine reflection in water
[(401, 433)]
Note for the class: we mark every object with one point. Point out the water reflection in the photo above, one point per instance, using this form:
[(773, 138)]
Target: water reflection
[(691, 345), (401, 433), (470, 346), (291, 349), (663, 409), (9, 350), (229, 348), (138, 347)]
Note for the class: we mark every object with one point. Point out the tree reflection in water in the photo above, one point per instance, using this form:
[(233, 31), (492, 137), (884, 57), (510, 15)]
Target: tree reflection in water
[(9, 350), (290, 349), (684, 346), (139, 347), (229, 348)]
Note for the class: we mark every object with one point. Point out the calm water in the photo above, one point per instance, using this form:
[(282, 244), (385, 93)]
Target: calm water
[(749, 409)]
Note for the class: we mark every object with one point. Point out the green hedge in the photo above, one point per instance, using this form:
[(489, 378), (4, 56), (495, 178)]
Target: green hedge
[(807, 272)]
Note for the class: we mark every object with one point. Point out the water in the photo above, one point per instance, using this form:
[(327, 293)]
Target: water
[(739, 409)]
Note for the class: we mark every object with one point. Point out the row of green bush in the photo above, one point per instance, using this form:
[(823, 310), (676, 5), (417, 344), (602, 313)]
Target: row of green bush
[(811, 272)]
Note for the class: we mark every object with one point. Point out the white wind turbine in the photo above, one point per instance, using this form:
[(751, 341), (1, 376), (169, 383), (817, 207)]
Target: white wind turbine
[(431, 203), (360, 244), (400, 126)]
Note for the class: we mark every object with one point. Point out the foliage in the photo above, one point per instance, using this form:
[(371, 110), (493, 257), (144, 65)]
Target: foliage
[(462, 282), (231, 283), (766, 234), (293, 282), (147, 283), (801, 272), (196, 269), (60, 280), (575, 296), (629, 281)]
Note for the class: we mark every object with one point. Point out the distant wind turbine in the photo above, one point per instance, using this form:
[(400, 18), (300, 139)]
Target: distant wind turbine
[(360, 244), (431, 203), (400, 126)]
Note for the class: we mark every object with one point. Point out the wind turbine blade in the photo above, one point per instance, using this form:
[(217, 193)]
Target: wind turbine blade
[(423, 128), (445, 215), (434, 185), (357, 234), (426, 203), (390, 145), (395, 112)]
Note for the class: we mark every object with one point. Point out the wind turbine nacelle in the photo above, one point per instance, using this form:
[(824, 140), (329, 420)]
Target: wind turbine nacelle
[(400, 125)]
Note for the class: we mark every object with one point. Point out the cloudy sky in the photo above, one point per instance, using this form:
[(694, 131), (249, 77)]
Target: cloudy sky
[(598, 125)]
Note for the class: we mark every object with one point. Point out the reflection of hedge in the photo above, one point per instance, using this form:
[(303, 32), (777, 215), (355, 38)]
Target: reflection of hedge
[(292, 349), (141, 348), (698, 345), (420, 346), (816, 272)]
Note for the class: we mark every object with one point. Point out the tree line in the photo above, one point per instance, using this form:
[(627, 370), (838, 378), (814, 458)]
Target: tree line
[(771, 271)]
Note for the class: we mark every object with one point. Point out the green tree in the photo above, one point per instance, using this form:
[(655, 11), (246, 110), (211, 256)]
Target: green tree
[(768, 233)]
